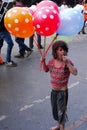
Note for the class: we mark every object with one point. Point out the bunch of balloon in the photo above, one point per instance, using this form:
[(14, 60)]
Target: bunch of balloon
[(46, 21), (18, 21)]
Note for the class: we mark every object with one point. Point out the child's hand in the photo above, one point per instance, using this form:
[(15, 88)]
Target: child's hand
[(65, 59)]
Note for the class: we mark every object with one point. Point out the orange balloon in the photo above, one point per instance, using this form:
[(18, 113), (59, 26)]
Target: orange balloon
[(18, 21), (85, 14)]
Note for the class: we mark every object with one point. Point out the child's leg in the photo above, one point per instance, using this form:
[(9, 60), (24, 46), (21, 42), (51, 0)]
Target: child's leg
[(57, 127), (61, 127)]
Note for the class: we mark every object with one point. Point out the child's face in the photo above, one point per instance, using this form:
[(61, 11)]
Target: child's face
[(61, 52)]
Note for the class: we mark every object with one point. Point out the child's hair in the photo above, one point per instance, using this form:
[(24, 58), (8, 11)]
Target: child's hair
[(58, 44)]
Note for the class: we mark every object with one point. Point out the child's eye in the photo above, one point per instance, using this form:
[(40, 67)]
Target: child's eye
[(60, 49)]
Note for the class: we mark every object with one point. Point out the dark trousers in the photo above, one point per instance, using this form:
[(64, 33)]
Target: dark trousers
[(31, 41), (22, 47), (1, 43), (5, 35), (59, 101)]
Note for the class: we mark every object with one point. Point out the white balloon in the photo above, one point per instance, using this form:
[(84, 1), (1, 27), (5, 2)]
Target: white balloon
[(33, 7), (79, 8)]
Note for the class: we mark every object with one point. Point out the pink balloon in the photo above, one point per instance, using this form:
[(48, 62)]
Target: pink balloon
[(48, 3), (46, 21), (31, 11)]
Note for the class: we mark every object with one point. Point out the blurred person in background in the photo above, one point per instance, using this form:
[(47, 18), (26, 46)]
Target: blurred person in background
[(5, 36), (24, 50)]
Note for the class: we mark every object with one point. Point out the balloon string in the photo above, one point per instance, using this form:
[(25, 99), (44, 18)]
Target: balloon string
[(45, 53)]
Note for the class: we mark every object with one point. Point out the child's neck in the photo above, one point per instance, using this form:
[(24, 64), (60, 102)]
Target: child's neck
[(58, 63), (59, 60)]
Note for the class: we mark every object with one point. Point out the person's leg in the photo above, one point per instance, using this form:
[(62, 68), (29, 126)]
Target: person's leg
[(59, 100), (29, 50), (1, 59), (20, 42), (31, 42), (26, 48), (5, 35), (39, 41), (62, 100), (55, 128), (22, 48), (1, 44), (54, 109), (83, 29), (62, 127)]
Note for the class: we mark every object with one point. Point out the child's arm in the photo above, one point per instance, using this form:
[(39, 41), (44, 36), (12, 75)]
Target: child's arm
[(45, 67), (72, 69)]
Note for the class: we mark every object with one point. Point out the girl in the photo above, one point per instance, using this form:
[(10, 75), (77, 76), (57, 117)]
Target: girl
[(60, 68)]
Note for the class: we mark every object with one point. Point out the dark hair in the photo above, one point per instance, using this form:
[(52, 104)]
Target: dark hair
[(58, 44)]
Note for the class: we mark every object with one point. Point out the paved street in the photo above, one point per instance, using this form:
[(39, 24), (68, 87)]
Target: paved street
[(25, 90)]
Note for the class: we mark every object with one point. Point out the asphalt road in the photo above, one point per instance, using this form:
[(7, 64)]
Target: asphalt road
[(25, 90)]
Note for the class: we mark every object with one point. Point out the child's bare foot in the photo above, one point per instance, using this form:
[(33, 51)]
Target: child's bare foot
[(55, 128), (61, 127)]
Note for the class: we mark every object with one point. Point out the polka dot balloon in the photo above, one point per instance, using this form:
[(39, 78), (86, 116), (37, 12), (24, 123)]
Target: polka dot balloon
[(46, 21), (48, 3), (18, 21)]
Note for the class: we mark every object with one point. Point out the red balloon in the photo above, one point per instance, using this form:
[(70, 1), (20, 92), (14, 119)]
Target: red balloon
[(48, 3), (46, 21)]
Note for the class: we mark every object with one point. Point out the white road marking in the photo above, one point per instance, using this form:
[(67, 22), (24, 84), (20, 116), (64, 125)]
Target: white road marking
[(74, 84), (26, 107), (39, 101), (3, 117)]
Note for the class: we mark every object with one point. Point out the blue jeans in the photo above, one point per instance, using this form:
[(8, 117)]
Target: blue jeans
[(22, 46), (5, 35)]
